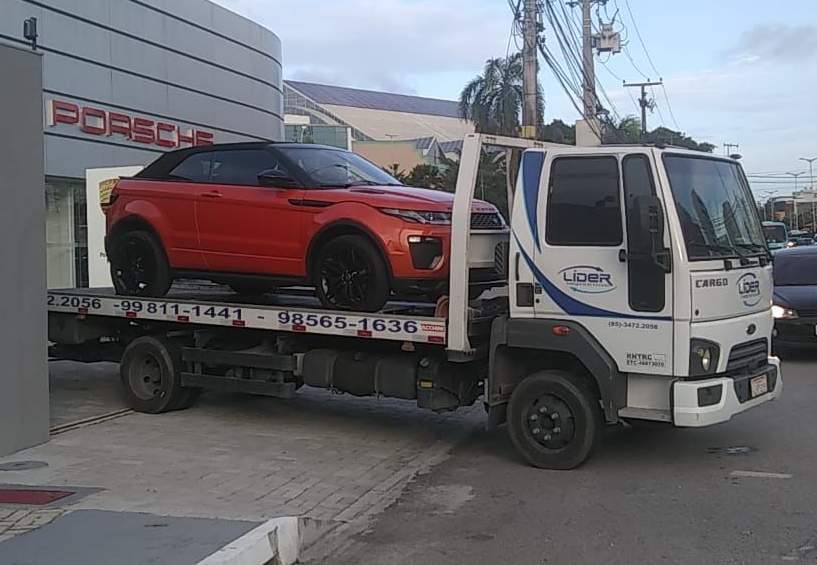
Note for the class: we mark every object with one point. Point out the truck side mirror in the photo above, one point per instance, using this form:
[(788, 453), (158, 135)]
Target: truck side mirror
[(648, 231)]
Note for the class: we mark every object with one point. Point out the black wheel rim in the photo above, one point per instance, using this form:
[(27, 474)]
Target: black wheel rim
[(135, 266), (145, 377), (344, 278), (549, 421)]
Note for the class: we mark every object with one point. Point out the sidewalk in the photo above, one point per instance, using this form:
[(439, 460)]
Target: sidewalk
[(335, 459)]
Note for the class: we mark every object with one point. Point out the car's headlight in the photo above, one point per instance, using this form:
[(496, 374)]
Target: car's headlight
[(703, 357), (781, 313), (420, 217)]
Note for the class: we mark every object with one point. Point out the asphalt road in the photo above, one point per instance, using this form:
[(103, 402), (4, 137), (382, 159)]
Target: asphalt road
[(646, 496)]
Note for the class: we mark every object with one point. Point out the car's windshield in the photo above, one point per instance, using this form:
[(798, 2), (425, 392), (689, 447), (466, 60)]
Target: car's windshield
[(335, 167), (795, 269), (716, 209), (774, 233)]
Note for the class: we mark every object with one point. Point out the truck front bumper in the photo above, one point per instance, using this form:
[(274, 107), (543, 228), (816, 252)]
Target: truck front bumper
[(735, 396)]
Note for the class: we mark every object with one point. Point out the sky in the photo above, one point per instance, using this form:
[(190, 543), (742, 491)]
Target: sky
[(736, 71)]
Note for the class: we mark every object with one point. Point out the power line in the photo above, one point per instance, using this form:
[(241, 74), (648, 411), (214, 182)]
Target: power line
[(640, 39)]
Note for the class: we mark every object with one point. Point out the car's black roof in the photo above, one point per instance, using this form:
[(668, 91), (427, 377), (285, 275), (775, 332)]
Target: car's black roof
[(168, 161), (802, 250)]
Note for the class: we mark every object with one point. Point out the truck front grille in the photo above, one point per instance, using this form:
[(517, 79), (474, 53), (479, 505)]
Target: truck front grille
[(748, 357)]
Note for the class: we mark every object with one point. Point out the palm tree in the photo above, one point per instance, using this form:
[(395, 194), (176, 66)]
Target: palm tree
[(493, 100)]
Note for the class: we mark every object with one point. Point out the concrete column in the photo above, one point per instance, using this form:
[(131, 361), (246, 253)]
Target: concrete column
[(23, 355)]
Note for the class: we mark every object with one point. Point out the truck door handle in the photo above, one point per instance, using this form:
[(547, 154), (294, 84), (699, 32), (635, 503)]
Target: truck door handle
[(622, 255), (211, 194)]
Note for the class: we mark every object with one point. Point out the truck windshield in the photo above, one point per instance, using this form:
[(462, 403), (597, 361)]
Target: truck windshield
[(775, 233), (716, 209)]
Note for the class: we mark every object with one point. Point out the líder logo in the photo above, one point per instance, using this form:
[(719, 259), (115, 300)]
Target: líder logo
[(587, 279), (749, 289)]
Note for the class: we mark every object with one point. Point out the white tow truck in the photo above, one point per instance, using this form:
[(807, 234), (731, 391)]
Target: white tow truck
[(639, 288)]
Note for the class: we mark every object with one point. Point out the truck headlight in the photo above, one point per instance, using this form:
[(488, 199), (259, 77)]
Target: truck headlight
[(703, 357), (781, 313)]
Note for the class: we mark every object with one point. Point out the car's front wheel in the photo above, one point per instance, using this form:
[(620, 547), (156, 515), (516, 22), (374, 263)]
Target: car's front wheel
[(350, 274), (139, 266)]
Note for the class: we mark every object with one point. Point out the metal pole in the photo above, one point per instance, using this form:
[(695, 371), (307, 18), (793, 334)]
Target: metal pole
[(589, 73), (643, 102), (530, 66), (794, 198), (810, 162)]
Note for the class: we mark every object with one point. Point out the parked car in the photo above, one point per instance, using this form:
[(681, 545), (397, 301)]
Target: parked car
[(262, 215), (795, 297)]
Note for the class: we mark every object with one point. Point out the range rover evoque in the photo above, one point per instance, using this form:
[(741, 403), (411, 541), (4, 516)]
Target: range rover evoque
[(258, 216)]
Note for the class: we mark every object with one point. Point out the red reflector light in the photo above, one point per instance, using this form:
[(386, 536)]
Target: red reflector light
[(436, 339), (31, 496), (182, 318), (298, 328), (130, 314), (364, 333), (239, 323), (561, 331)]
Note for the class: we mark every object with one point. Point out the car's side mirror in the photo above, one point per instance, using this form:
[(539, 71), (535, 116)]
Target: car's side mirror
[(277, 179)]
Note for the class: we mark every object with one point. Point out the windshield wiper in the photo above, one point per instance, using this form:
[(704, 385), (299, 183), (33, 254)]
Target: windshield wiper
[(714, 247), (361, 182)]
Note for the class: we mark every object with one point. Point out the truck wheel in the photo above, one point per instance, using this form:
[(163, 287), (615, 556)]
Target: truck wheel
[(554, 420), (350, 274), (139, 266), (150, 371)]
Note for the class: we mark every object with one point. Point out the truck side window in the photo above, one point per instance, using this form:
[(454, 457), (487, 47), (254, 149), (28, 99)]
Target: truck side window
[(196, 168), (583, 202), (646, 279)]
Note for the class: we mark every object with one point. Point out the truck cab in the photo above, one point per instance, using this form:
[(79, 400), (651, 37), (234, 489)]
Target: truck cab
[(656, 259)]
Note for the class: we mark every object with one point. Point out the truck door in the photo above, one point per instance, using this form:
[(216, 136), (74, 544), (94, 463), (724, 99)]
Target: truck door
[(597, 208)]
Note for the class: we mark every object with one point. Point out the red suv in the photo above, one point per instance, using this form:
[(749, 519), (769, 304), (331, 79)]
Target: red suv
[(257, 216)]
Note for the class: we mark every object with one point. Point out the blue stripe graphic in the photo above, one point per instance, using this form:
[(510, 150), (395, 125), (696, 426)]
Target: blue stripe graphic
[(532, 163), (569, 304)]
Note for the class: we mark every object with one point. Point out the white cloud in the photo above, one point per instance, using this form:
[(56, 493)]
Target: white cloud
[(381, 43)]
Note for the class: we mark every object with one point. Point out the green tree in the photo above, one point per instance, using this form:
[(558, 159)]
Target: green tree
[(426, 176), (628, 130), (493, 100), (559, 132)]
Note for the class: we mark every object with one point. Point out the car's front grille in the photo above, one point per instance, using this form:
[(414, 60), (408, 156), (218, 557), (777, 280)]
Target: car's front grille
[(486, 221), (748, 357)]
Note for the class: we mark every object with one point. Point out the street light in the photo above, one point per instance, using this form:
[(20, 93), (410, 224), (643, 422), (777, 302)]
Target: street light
[(810, 162), (794, 197)]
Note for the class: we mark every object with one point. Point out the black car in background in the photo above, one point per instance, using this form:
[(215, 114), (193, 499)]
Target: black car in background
[(795, 297)]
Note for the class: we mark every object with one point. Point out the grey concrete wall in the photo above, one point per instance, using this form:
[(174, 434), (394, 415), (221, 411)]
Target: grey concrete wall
[(23, 369), (186, 62)]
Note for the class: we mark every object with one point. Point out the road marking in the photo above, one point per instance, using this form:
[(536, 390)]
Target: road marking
[(760, 475)]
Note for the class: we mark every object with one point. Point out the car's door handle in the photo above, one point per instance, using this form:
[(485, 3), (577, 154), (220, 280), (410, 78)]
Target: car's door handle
[(211, 194)]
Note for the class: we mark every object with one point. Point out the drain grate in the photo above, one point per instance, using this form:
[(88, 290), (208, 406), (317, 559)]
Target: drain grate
[(32, 497)]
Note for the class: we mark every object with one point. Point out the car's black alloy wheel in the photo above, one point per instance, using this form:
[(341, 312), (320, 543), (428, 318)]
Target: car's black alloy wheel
[(139, 266), (351, 275)]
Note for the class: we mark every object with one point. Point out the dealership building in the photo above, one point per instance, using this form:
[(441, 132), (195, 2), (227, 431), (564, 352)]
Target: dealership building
[(125, 80)]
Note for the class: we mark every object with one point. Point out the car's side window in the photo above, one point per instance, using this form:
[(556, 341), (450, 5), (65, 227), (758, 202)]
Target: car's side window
[(242, 166), (584, 207), (196, 168)]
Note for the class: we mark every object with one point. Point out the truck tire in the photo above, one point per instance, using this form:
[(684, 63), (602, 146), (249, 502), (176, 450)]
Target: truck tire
[(139, 265), (150, 371), (554, 420), (350, 274)]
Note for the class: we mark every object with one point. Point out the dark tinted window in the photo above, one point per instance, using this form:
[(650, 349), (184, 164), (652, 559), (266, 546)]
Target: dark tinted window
[(795, 269), (195, 168), (241, 166), (583, 202), (646, 280)]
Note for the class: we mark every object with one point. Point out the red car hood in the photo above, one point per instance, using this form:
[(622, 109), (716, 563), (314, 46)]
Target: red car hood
[(404, 197)]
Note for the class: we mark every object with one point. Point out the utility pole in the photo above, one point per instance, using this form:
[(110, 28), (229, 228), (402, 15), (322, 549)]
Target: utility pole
[(588, 64), (794, 198), (812, 194), (644, 102), (727, 147), (530, 69)]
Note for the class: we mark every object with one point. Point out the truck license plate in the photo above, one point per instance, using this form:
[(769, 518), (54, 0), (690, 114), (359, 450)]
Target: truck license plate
[(759, 385)]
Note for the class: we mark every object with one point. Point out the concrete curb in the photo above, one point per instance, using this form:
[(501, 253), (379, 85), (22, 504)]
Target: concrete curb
[(276, 541)]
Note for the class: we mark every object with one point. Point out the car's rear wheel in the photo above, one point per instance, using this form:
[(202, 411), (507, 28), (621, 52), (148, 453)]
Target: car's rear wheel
[(139, 266), (350, 274)]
